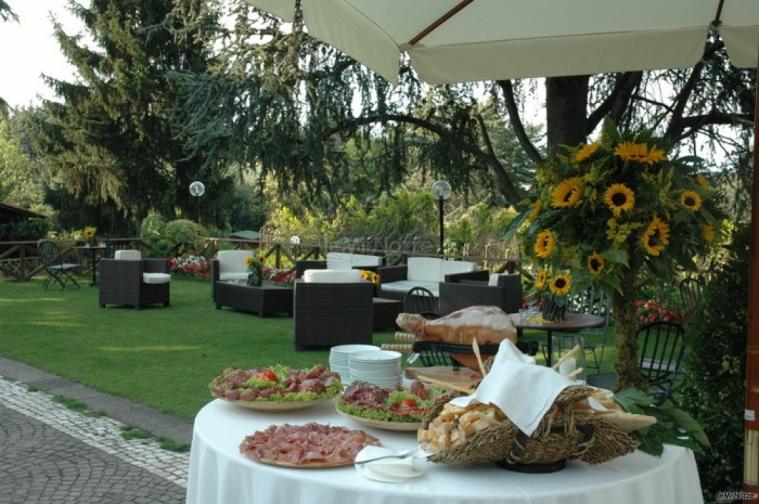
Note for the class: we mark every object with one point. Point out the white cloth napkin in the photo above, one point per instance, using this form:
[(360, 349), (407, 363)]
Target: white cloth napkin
[(386, 470), (523, 390)]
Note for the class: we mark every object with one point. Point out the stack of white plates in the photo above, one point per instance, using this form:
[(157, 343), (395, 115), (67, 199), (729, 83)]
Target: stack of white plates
[(339, 359), (381, 368)]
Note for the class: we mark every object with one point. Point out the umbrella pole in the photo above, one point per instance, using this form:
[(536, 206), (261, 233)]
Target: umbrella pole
[(751, 444)]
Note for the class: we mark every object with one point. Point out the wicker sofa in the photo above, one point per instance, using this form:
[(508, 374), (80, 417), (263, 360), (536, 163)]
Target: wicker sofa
[(229, 266), (341, 261), (130, 280), (427, 272), (503, 291), (332, 308)]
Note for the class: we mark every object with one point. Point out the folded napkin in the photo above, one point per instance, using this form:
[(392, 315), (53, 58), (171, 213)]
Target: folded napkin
[(523, 390), (390, 470)]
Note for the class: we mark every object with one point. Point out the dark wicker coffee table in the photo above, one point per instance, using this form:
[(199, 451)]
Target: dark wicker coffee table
[(385, 313), (263, 300)]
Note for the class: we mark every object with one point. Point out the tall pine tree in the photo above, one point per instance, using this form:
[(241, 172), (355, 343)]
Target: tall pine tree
[(109, 138)]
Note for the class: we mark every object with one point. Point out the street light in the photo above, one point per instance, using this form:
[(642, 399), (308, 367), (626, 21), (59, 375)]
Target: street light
[(441, 190), (197, 189)]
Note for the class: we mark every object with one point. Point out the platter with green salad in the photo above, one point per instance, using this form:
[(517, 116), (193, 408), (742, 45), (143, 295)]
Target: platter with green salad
[(276, 388), (388, 409)]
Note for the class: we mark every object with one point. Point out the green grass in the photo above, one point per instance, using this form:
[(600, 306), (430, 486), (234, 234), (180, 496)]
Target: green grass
[(77, 406), (161, 357)]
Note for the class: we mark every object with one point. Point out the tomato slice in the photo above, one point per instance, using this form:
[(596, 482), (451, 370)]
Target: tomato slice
[(409, 403), (267, 375)]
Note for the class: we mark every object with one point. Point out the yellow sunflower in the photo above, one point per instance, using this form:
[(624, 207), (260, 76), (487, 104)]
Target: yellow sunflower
[(89, 232), (708, 233), (567, 193), (537, 207), (545, 243), (691, 200), (620, 198), (656, 236), (586, 151), (596, 263), (560, 285), (639, 153), (248, 261), (540, 279), (702, 181)]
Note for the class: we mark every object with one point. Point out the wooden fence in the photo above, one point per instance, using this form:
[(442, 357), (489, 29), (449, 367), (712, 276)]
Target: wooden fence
[(20, 260)]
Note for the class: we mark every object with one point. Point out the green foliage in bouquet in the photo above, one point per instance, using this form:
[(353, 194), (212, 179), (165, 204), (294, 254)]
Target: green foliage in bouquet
[(610, 213)]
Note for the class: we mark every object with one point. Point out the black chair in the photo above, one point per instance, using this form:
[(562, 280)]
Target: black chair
[(422, 301), (662, 345), (57, 270), (691, 294)]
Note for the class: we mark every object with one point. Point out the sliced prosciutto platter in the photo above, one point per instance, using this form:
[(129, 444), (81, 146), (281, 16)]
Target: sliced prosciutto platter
[(400, 409), (309, 446), (276, 388)]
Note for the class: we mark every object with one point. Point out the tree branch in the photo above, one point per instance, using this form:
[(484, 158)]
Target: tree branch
[(510, 191), (616, 103), (504, 180), (516, 122), (675, 128), (696, 122)]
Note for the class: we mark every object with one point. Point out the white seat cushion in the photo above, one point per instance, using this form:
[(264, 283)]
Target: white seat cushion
[(128, 255), (406, 285), (233, 261), (156, 278), (234, 277), (339, 261), (452, 267), (426, 269), (493, 281), (365, 261), (331, 276)]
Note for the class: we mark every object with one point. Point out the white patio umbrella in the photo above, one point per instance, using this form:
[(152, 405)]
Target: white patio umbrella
[(470, 40)]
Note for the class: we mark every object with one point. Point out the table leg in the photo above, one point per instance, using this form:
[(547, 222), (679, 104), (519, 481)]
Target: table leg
[(549, 348), (93, 259)]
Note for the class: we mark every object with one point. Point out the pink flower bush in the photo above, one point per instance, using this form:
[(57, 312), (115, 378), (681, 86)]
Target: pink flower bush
[(652, 311), (191, 265)]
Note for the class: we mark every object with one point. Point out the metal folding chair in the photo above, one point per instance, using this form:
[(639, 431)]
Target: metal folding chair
[(662, 346), (422, 301), (691, 294), (57, 271)]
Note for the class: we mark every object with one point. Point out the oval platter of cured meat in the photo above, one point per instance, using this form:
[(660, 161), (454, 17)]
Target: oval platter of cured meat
[(276, 388), (310, 446), (389, 409)]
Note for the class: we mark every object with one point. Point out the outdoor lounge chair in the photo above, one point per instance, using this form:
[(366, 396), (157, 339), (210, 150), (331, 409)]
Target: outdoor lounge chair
[(332, 308), (425, 272), (130, 280), (501, 290), (57, 270), (341, 261), (229, 266)]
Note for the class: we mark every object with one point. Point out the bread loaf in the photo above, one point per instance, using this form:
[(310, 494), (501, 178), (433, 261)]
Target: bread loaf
[(489, 325)]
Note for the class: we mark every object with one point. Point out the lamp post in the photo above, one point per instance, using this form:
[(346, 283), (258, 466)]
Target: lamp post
[(197, 189), (441, 190)]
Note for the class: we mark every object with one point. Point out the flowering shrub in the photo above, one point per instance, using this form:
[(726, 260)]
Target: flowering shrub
[(652, 311), (191, 265)]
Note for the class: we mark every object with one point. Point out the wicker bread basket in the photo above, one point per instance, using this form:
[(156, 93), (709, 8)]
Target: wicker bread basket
[(564, 433)]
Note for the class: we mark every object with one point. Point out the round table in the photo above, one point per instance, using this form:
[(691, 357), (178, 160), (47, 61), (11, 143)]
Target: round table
[(93, 251), (219, 474), (572, 322)]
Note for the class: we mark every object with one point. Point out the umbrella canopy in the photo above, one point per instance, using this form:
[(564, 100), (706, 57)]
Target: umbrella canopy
[(470, 40)]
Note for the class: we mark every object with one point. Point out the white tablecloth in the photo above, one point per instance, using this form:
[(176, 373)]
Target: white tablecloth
[(219, 474)]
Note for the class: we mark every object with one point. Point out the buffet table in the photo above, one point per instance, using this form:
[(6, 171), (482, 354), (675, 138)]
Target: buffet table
[(220, 475)]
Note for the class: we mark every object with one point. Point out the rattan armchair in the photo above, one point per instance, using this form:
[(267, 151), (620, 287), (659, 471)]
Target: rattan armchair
[(327, 314), (461, 291), (126, 283)]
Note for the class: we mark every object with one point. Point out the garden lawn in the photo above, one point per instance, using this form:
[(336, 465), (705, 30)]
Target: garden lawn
[(161, 357)]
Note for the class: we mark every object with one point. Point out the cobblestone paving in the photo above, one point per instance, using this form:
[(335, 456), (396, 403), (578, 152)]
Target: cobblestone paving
[(52, 455)]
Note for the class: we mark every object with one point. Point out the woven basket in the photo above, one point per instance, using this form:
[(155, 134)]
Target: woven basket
[(562, 434)]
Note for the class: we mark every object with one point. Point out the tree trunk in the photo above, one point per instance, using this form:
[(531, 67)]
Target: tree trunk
[(625, 330), (566, 110)]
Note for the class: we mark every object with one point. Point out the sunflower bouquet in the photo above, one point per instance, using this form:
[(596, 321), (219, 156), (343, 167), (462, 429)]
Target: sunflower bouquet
[(370, 276), (610, 213), (255, 267), (89, 234)]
